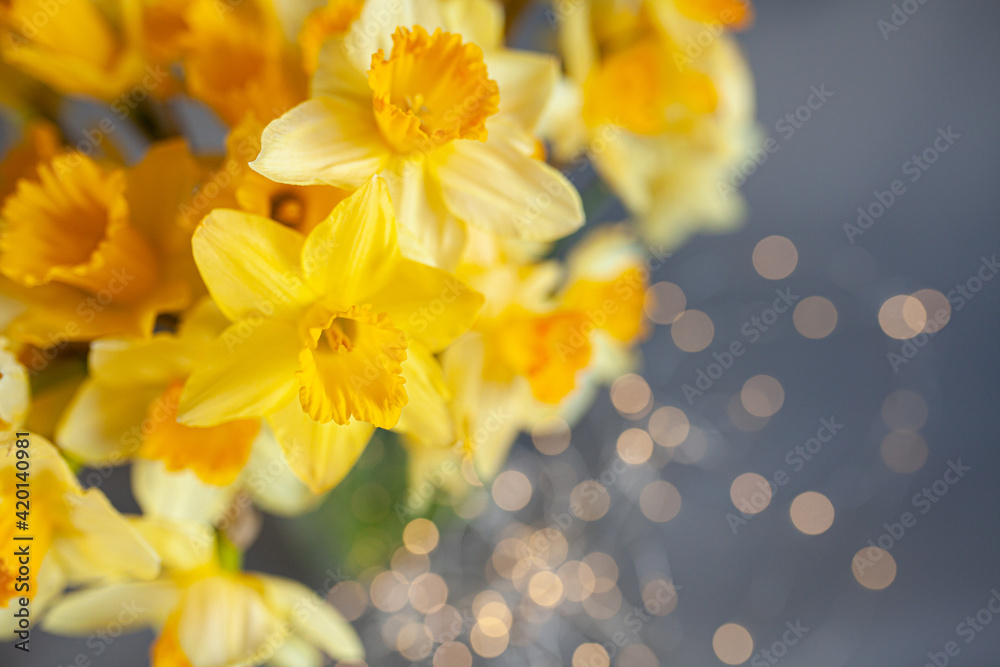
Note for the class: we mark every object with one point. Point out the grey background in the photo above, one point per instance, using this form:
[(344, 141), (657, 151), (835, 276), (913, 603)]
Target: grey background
[(890, 97)]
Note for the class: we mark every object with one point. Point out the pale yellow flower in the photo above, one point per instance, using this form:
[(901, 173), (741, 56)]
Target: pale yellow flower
[(410, 94), (206, 613)]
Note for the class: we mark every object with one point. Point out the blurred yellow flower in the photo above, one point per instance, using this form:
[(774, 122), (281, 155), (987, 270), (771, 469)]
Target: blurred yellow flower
[(207, 613), (77, 536), (90, 251), (659, 98)]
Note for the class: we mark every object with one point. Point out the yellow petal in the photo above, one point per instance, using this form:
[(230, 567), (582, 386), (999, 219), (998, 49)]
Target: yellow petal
[(224, 622), (425, 418), (103, 425), (497, 185), (178, 496), (247, 372), (615, 306), (379, 19), (526, 81), (320, 623), (430, 304), (14, 390), (183, 545), (133, 606), (320, 454), (124, 362), (353, 368), (428, 232), (329, 140), (250, 264), (733, 13), (272, 483), (105, 545), (216, 454), (352, 252)]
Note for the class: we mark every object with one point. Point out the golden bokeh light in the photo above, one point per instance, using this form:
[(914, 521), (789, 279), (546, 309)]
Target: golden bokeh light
[(414, 642), (486, 646), (631, 395), (591, 655), (638, 655), (511, 490), (904, 452), (815, 317), (579, 581), (495, 619), (659, 596), (812, 513), (874, 568), (445, 624), (350, 598), (452, 654), (664, 302), (733, 644), (634, 446), (669, 426), (660, 501), (750, 493), (692, 331), (551, 435), (428, 593), (546, 589), (902, 317), (409, 564), (389, 591), (904, 410), (775, 257), (762, 396), (936, 309), (589, 500), (421, 536)]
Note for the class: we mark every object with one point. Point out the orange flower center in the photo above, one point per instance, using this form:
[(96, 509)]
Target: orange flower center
[(432, 90), (352, 367), (72, 227)]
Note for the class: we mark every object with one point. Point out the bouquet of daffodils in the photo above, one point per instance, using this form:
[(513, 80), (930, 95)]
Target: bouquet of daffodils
[(244, 240)]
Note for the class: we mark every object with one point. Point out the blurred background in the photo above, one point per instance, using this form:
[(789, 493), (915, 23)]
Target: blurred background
[(669, 527)]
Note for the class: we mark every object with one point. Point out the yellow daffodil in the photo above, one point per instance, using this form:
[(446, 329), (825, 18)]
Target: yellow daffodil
[(237, 61), (91, 251), (127, 408), (324, 329), (408, 95), (547, 336), (208, 615), (76, 535), (72, 45), (659, 97)]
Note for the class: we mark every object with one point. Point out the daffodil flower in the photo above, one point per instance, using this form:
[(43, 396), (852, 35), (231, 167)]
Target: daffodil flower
[(208, 614), (127, 407), (90, 251), (406, 95), (327, 329), (662, 113), (77, 537)]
